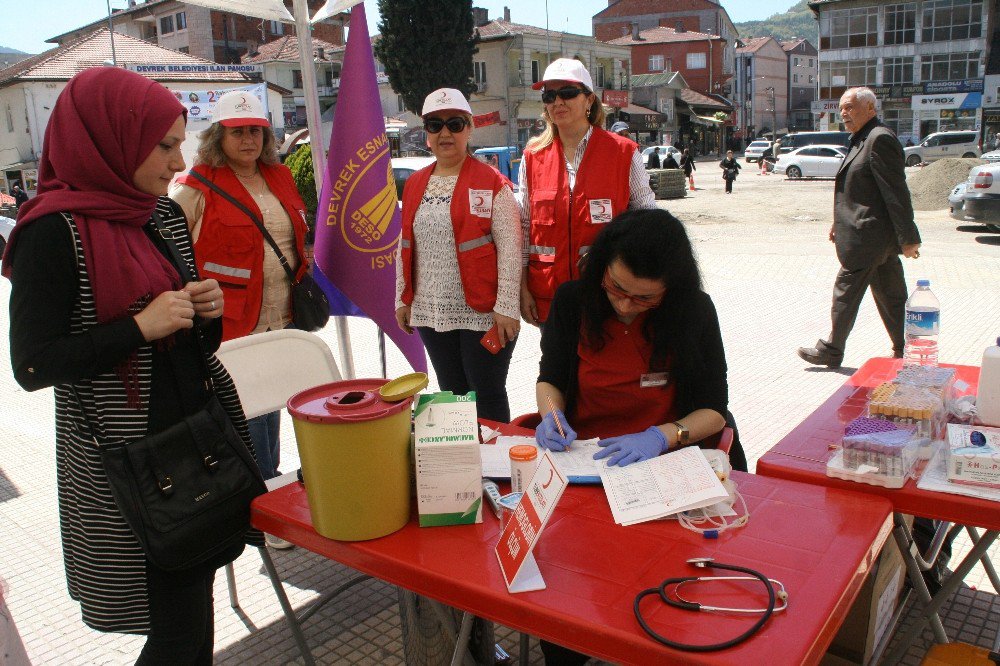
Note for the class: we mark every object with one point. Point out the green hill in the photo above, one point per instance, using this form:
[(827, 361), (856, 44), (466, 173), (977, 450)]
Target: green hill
[(7, 49), (797, 21)]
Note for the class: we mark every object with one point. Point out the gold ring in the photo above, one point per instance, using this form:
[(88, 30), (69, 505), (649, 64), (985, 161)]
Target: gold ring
[(916, 255), (212, 304)]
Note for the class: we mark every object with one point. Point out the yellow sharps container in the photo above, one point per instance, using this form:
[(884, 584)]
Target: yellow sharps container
[(355, 452)]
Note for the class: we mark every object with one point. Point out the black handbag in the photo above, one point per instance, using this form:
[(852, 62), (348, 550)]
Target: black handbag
[(310, 306), (185, 491)]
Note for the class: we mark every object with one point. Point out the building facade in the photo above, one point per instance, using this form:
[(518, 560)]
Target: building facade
[(803, 67), (762, 88), (699, 57), (924, 59), (222, 37)]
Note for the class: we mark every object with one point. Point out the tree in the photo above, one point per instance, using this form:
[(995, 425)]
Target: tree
[(425, 45), (300, 163)]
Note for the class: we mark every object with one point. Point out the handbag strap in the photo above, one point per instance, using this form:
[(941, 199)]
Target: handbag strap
[(253, 218)]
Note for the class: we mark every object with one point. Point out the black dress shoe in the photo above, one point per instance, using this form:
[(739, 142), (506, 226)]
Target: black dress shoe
[(820, 357)]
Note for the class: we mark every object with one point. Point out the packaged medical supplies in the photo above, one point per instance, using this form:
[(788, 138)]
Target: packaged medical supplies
[(918, 396), (878, 452), (448, 466), (974, 455)]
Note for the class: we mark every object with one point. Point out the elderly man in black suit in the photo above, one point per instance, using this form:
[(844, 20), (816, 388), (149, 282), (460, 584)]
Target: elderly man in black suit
[(872, 225)]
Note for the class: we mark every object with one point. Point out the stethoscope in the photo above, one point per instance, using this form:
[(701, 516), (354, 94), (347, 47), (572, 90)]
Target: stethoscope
[(669, 593)]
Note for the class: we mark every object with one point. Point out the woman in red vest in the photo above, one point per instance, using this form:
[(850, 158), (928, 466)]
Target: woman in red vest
[(237, 155), (458, 268), (574, 178)]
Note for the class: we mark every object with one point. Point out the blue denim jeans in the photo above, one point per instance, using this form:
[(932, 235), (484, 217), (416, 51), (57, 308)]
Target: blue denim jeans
[(265, 431)]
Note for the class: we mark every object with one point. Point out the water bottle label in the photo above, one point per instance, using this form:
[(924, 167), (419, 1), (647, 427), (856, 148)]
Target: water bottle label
[(922, 322)]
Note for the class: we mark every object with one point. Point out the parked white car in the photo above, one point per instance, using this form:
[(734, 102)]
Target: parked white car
[(663, 153), (980, 199), (956, 143), (6, 226), (755, 150), (404, 167), (811, 162)]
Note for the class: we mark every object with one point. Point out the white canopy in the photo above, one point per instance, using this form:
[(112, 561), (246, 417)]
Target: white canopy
[(332, 8), (266, 9)]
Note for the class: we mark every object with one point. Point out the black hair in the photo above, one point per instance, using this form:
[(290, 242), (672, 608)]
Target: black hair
[(654, 245)]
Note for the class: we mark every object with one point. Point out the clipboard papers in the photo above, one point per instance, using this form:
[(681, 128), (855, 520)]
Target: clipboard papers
[(577, 464)]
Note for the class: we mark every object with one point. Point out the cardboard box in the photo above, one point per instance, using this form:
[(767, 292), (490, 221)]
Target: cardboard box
[(871, 615), (974, 455), (446, 457)]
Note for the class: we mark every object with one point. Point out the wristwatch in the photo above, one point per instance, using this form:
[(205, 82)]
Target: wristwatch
[(683, 434)]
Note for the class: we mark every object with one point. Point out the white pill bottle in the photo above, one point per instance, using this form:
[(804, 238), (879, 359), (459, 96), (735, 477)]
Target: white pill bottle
[(988, 396)]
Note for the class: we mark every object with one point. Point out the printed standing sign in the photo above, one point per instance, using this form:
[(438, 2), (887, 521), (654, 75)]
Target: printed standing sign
[(523, 529)]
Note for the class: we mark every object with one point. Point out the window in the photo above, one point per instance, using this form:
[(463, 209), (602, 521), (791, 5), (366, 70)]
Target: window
[(950, 66), (656, 63), (600, 76), (10, 119), (838, 75), (400, 106), (810, 62), (479, 73), (901, 23), (276, 27), (848, 28), (812, 79), (795, 78), (184, 49), (166, 25), (795, 62), (827, 152), (296, 78), (182, 21), (945, 20), (697, 61), (900, 121), (534, 72), (897, 71)]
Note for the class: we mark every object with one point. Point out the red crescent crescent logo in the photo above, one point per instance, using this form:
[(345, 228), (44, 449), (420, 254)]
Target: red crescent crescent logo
[(479, 201), (603, 209), (551, 476)]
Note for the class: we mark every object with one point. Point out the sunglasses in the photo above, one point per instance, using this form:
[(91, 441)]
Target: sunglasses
[(642, 301), (569, 92), (455, 125)]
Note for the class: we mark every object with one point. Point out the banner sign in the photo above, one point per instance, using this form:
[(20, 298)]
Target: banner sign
[(616, 98), (197, 68), (957, 86), (201, 103), (825, 106), (972, 100), (492, 118)]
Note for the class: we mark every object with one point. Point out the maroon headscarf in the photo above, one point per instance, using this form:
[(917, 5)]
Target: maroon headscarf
[(103, 127)]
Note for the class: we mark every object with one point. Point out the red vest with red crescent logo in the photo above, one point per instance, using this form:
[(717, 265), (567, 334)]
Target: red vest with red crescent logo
[(230, 248), (471, 219), (564, 223)]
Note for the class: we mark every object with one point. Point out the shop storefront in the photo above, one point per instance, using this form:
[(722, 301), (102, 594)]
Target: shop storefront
[(645, 124), (941, 112), (529, 121)]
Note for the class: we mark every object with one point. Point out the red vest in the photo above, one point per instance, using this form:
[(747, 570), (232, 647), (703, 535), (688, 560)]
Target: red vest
[(230, 248), (471, 220), (564, 223)]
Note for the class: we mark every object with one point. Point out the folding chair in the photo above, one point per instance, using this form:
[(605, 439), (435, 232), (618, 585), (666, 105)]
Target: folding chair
[(267, 370)]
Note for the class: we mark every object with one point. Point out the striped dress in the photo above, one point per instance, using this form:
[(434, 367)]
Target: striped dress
[(105, 566)]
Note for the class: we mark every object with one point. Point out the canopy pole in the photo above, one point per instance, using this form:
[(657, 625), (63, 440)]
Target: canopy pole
[(300, 11)]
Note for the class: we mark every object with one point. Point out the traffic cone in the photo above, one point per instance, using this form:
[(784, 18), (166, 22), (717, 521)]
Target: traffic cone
[(691, 183)]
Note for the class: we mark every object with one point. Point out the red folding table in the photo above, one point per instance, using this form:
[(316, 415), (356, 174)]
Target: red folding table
[(821, 543), (802, 456)]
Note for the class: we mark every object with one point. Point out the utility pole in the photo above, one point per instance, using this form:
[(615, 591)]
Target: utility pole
[(774, 112), (111, 29)]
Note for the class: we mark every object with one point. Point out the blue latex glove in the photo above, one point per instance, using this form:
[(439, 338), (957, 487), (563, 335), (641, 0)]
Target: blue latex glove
[(547, 434), (627, 449)]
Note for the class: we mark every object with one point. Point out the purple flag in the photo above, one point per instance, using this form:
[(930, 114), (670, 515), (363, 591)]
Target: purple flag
[(358, 222)]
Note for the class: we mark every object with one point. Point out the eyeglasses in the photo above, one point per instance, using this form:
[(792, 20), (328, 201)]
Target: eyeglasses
[(454, 124), (646, 302), (569, 92)]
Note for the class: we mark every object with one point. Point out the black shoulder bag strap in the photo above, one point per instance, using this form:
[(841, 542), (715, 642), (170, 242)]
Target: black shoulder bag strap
[(253, 218)]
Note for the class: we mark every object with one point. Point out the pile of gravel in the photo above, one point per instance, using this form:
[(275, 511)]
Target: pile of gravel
[(931, 185)]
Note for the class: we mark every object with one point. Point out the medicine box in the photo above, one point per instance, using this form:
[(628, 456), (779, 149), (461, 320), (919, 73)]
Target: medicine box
[(446, 457), (974, 455)]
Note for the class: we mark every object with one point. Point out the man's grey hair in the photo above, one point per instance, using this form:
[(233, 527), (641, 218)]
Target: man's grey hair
[(863, 95)]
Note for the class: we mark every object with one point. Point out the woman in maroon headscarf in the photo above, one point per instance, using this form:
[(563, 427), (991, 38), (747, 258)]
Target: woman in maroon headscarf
[(99, 312)]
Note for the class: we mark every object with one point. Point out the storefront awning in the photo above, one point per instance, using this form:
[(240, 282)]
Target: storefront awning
[(708, 120)]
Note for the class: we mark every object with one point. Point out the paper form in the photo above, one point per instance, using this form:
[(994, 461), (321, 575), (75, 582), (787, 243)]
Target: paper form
[(576, 462)]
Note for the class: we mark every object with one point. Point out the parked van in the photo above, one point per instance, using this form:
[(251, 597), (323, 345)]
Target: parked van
[(790, 142), (944, 144)]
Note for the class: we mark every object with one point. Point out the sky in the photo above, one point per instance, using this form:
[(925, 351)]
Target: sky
[(27, 30)]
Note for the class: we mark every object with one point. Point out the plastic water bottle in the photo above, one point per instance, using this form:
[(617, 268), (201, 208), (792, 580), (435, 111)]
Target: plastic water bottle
[(923, 313)]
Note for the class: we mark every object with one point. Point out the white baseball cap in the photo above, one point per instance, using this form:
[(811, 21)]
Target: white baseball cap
[(566, 69), (446, 99), (239, 109)]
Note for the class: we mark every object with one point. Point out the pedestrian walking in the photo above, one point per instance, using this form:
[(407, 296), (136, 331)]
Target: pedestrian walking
[(730, 169), (621, 129), (872, 225), (458, 271), (98, 310), (765, 160), (574, 179), (654, 159), (238, 157), (20, 196), (669, 162), (687, 163)]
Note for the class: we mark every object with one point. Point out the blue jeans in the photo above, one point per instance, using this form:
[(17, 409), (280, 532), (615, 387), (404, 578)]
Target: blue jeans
[(265, 431)]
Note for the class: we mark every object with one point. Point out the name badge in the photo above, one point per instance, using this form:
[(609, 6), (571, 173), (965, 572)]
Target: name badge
[(481, 203), (600, 211), (653, 379)]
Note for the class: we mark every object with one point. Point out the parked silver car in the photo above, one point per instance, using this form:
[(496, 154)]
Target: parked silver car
[(939, 145), (978, 198)]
